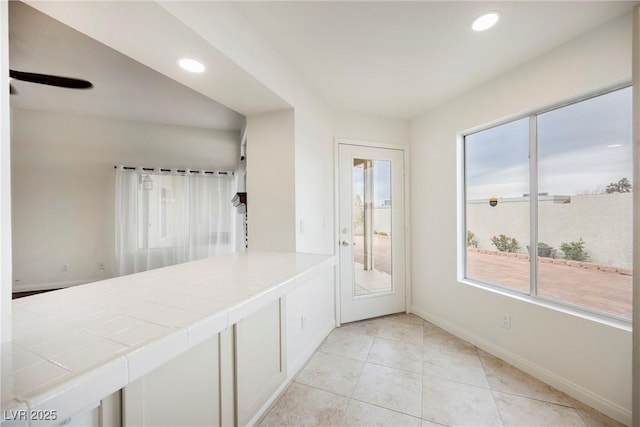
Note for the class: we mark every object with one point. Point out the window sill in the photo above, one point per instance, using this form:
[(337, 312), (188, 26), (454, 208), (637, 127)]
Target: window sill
[(602, 319)]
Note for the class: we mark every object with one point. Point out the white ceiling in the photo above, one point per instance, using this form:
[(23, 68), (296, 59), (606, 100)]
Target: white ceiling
[(391, 59), (123, 88), (398, 59)]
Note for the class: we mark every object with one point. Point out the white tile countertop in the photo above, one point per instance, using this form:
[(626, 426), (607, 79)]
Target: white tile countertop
[(75, 346)]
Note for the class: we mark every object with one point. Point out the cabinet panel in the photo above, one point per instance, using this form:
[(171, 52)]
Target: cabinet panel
[(227, 379), (260, 361), (183, 392)]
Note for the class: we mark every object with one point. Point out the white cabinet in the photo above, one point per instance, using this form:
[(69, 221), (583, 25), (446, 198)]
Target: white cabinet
[(260, 359), (183, 392), (224, 381)]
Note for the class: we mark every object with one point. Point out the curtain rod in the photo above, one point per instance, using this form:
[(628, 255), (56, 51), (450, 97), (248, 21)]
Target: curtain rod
[(133, 168)]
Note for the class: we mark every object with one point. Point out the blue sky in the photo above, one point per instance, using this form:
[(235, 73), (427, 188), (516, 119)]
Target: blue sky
[(581, 148)]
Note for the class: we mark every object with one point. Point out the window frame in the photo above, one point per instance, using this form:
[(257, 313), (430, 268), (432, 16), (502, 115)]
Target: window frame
[(532, 296)]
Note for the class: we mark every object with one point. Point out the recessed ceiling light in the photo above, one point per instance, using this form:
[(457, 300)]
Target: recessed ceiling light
[(486, 21), (191, 65), (614, 145)]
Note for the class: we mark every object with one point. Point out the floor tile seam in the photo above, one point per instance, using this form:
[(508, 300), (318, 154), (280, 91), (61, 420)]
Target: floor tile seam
[(321, 389), (421, 385), (361, 370), (396, 369), (495, 403), (344, 413), (406, 325), (444, 347), (579, 412), (484, 369), (370, 348), (338, 355), (401, 342), (436, 423), (388, 409), (297, 375), (533, 398), (345, 331), (391, 320), (457, 351), (393, 367), (268, 411), (460, 382), (361, 335)]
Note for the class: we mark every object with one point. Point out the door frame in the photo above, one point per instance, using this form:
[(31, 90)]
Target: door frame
[(407, 215)]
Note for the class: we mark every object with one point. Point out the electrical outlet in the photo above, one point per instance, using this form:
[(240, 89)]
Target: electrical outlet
[(506, 321), (101, 266), (65, 267)]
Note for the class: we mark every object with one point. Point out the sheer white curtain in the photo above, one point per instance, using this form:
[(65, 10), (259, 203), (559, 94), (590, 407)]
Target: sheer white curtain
[(168, 217)]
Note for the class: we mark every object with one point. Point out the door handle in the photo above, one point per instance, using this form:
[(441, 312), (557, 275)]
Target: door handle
[(346, 243)]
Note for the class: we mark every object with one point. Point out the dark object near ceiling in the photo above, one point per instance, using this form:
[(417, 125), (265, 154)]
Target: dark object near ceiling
[(47, 79)]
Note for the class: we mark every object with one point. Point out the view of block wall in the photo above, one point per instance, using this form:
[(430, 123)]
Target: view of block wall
[(561, 219)]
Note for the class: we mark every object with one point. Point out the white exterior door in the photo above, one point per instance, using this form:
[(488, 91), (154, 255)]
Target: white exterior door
[(371, 233)]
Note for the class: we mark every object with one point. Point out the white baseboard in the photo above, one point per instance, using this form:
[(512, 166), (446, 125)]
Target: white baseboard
[(292, 369), (51, 285), (574, 390)]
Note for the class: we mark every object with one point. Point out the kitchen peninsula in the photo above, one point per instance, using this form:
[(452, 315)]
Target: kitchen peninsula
[(200, 343)]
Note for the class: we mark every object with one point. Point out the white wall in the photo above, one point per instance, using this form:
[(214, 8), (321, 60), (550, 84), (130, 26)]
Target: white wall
[(350, 125), (586, 358), (63, 186), (270, 181)]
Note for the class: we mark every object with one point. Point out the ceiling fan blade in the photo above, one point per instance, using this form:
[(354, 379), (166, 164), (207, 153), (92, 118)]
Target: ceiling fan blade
[(12, 90), (47, 79)]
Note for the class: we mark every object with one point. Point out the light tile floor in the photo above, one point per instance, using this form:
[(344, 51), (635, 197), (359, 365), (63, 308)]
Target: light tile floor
[(403, 371)]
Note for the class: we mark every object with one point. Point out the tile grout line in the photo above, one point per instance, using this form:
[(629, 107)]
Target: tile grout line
[(484, 364), (568, 405), (491, 391)]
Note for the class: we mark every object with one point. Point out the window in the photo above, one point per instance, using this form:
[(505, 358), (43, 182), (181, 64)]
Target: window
[(502, 229), (580, 223), (162, 205), (164, 217)]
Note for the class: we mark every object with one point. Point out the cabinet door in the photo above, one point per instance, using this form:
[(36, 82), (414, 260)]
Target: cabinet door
[(260, 359), (183, 392)]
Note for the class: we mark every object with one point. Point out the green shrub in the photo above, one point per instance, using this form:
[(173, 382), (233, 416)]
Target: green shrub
[(505, 244), (543, 245), (574, 250), (622, 186), (472, 242)]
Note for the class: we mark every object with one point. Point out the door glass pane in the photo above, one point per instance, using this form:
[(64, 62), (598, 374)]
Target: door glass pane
[(585, 205), (372, 226), (497, 205)]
